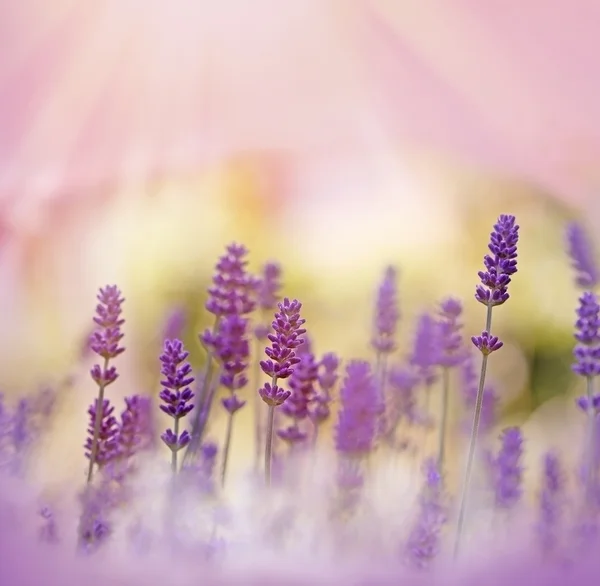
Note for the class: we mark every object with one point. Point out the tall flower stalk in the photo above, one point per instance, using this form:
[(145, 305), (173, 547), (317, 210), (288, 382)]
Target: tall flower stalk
[(451, 354), (267, 295), (587, 365), (230, 294), (385, 325), (233, 351), (176, 395), (492, 291), (287, 336), (105, 343)]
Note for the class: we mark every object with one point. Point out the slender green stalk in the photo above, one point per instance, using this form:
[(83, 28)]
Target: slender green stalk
[(97, 424), (258, 409), (226, 447), (590, 449), (444, 417), (196, 434), (464, 496), (269, 444), (174, 450)]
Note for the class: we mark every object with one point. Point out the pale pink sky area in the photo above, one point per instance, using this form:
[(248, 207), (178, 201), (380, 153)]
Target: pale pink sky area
[(114, 90)]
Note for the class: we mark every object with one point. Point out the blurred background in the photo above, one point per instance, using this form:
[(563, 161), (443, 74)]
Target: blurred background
[(137, 138)]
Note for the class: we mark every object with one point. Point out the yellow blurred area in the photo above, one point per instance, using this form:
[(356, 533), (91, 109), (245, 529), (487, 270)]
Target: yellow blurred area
[(159, 243)]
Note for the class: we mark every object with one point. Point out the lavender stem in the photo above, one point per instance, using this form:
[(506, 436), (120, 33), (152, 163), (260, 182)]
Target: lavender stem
[(590, 449), (472, 442), (258, 419), (444, 417), (269, 444), (196, 434), (226, 447), (174, 451), (97, 424)]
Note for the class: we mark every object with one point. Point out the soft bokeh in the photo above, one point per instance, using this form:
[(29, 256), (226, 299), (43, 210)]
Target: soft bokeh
[(138, 138)]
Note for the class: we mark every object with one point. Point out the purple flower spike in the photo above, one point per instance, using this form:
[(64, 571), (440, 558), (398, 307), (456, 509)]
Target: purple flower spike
[(585, 404), (587, 350), (176, 395), (273, 395), (233, 350), (267, 294), (424, 540), (426, 349), (386, 314), (175, 442), (105, 340), (551, 497), (232, 288), (581, 251), (327, 380), (232, 404), (508, 469), (287, 326), (450, 339), (493, 289), (135, 431), (486, 343), (107, 447), (361, 406)]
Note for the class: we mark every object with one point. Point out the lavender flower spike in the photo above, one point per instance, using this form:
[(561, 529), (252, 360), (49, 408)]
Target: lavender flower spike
[(587, 364), (424, 541), (361, 406), (492, 291), (267, 295), (104, 342), (387, 314), (581, 252), (508, 469), (176, 395), (550, 515), (450, 354), (282, 359), (231, 294)]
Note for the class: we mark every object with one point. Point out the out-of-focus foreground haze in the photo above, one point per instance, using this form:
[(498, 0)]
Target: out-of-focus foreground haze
[(335, 136)]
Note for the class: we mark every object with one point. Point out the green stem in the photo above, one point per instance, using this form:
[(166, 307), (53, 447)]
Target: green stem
[(196, 434), (472, 444), (258, 409), (444, 417), (590, 449), (175, 450), (226, 447), (269, 444), (97, 423)]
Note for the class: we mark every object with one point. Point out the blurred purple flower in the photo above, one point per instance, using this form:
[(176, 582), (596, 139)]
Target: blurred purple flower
[(451, 351), (387, 314), (581, 252), (302, 386), (424, 540), (136, 429), (232, 288), (360, 409), (508, 470), (550, 503), (587, 326), (267, 294), (426, 349), (327, 379), (106, 446)]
